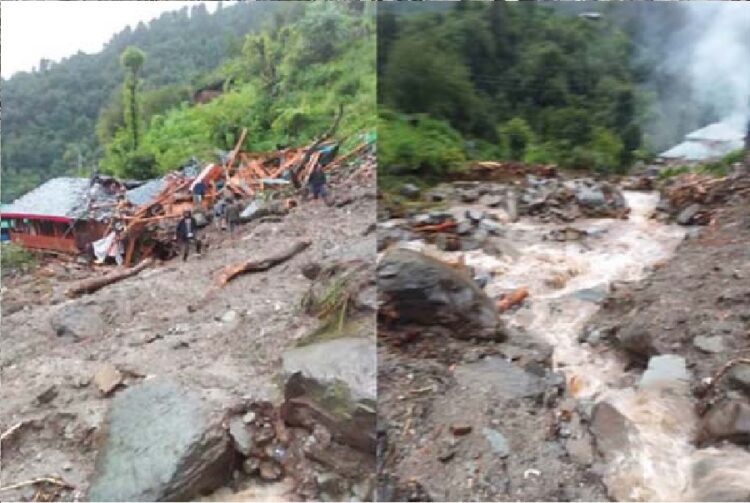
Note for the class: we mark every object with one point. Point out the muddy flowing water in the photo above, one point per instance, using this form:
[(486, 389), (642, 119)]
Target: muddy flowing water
[(564, 280)]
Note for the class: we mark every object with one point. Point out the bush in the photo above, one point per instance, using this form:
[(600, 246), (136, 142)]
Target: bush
[(140, 166), (14, 257), (418, 145)]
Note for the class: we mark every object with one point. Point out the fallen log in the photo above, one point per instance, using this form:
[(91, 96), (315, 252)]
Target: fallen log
[(232, 271), (94, 284), (450, 224), (515, 297)]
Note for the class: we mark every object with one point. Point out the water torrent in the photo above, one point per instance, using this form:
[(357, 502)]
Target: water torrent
[(564, 279)]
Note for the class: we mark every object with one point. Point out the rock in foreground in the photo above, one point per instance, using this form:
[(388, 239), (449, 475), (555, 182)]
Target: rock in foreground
[(425, 291), (161, 444)]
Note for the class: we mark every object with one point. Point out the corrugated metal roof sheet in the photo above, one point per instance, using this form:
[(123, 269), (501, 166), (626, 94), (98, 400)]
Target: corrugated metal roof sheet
[(59, 197), (146, 192)]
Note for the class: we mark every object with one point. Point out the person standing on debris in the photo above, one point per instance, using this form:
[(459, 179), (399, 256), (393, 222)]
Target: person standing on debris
[(186, 233), (232, 214), (219, 209), (317, 183), (198, 191)]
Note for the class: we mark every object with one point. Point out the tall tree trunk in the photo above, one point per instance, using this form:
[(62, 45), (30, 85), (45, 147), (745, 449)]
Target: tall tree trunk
[(133, 110)]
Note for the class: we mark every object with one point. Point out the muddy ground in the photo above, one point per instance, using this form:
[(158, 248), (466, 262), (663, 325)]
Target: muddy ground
[(162, 323)]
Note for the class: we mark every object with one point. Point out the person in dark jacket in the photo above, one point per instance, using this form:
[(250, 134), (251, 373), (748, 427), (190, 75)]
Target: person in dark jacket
[(199, 190), (186, 232), (317, 182), (232, 214)]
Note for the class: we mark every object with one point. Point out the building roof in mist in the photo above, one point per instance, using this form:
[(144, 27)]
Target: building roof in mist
[(716, 132)]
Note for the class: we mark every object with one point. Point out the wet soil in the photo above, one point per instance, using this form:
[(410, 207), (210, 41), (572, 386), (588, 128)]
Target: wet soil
[(163, 322)]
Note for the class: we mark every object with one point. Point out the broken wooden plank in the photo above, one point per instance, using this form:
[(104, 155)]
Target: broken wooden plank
[(94, 284), (232, 271), (515, 297)]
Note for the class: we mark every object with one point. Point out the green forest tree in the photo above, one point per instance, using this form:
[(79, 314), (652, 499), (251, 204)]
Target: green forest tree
[(132, 60)]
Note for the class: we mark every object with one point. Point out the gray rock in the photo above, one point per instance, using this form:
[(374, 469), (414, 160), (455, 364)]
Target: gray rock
[(502, 379), (706, 344), (580, 450), (425, 291), (482, 278), (739, 377), (79, 321), (469, 196), (685, 217), (230, 316), (409, 191), (474, 216), (637, 338), (162, 443), (492, 201), (665, 370), (47, 395), (590, 197), (200, 218), (253, 211), (491, 227), (727, 420), (339, 377), (241, 438), (596, 294), (497, 441), (464, 227), (610, 429)]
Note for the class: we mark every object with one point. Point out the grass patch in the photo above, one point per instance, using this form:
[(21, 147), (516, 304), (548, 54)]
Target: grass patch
[(14, 257)]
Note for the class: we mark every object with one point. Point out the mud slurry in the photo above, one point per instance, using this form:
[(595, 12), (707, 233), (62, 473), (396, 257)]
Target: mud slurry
[(540, 446), (162, 324)]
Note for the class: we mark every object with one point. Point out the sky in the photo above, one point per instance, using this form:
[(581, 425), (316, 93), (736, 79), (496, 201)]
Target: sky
[(32, 30)]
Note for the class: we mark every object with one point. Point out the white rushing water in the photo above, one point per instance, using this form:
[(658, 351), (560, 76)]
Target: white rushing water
[(661, 463)]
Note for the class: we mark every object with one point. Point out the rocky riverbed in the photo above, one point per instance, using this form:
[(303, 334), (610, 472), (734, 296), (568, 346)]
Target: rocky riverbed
[(555, 407)]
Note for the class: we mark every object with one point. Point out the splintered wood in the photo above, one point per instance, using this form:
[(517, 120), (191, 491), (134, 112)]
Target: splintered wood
[(514, 298), (253, 265)]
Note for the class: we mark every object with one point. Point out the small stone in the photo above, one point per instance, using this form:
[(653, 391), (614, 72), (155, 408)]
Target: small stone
[(229, 317), (249, 417), (686, 216), (665, 370), (251, 466), (739, 376), (491, 227), (270, 470), (475, 216), (107, 378), (469, 196), (409, 191), (67, 467), (461, 429), (311, 270), (446, 452), (47, 395), (241, 438), (464, 227), (706, 344), (580, 450), (497, 441)]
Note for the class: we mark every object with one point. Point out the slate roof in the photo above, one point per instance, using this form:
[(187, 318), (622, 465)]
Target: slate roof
[(60, 197)]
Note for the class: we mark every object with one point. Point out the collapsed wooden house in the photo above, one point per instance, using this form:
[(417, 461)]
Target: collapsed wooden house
[(58, 215)]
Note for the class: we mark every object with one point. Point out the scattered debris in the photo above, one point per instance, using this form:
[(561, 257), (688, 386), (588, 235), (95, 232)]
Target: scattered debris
[(254, 265), (512, 299)]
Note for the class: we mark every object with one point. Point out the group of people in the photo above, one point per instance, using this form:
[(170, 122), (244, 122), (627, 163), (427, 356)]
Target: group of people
[(226, 213)]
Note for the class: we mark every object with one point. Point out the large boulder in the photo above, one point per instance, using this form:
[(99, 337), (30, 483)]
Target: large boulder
[(79, 321), (162, 443), (611, 429), (333, 383), (727, 420), (426, 291)]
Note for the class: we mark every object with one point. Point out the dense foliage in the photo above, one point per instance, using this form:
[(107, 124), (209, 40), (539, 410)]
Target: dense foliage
[(515, 81), (284, 66)]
